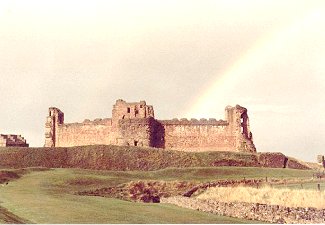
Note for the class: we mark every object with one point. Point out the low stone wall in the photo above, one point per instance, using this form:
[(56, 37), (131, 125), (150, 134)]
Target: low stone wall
[(251, 211)]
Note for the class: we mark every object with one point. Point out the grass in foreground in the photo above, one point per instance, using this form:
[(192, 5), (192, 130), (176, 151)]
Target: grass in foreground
[(305, 185), (8, 217), (46, 197)]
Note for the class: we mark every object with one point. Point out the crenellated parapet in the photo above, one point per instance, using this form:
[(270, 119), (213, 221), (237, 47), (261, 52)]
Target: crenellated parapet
[(195, 122)]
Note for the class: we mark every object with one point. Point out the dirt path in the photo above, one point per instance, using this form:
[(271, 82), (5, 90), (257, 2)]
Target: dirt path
[(8, 217)]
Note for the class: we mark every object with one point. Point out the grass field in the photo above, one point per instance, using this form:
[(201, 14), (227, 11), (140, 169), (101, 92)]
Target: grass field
[(305, 185), (48, 196), (8, 217), (268, 195)]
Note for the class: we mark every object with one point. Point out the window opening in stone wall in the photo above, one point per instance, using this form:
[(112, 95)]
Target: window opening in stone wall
[(60, 118), (135, 143), (128, 110), (244, 124)]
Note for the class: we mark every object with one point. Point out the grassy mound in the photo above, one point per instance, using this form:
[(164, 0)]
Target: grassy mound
[(118, 158), (122, 158)]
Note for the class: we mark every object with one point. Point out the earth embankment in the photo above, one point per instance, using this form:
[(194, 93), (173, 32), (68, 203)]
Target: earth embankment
[(134, 158)]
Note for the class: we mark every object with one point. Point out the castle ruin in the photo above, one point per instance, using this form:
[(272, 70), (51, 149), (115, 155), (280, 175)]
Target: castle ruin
[(134, 124), (12, 140)]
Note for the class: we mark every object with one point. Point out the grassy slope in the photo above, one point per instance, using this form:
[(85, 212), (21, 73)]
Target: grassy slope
[(8, 217), (110, 157), (73, 180), (118, 158), (46, 197), (305, 185)]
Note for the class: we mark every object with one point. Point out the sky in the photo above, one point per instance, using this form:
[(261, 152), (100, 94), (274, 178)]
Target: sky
[(189, 59)]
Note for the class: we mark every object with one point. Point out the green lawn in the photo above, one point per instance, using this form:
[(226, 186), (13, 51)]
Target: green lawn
[(47, 197)]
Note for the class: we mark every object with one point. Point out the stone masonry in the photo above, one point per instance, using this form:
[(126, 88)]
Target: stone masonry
[(12, 140), (134, 124)]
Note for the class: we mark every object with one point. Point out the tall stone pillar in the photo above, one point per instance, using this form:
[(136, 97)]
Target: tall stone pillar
[(239, 125), (53, 120)]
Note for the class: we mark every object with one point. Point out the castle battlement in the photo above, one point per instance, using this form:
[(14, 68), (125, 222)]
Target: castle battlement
[(97, 121), (134, 124), (195, 122)]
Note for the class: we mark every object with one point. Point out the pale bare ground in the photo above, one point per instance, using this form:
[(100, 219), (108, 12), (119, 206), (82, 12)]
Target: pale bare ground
[(267, 195)]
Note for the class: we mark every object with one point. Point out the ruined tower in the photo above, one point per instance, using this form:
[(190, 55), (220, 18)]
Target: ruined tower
[(239, 126), (134, 123), (55, 118), (127, 110)]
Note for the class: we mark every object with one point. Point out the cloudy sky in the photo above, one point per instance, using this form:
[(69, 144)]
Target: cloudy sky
[(187, 58)]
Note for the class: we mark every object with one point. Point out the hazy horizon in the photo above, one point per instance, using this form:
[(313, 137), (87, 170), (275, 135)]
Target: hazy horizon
[(186, 58)]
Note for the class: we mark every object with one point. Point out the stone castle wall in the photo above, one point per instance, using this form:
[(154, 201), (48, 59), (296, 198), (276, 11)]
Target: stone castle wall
[(198, 135), (86, 133), (134, 124)]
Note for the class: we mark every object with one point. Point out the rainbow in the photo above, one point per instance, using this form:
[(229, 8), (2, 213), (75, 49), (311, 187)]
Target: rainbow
[(258, 55)]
